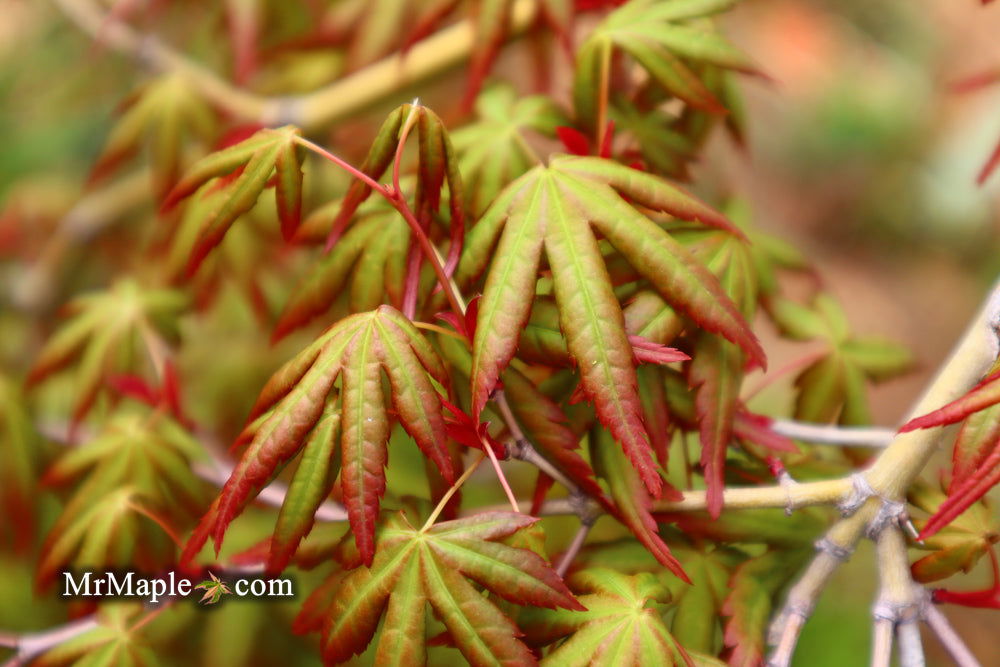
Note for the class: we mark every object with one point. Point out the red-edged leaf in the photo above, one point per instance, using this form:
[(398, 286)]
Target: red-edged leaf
[(575, 141), (414, 567), (631, 497), (979, 435), (963, 497), (991, 164), (648, 352), (357, 350), (980, 397), (716, 375)]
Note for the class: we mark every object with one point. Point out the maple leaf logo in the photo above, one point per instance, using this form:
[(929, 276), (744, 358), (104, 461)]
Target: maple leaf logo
[(214, 590)]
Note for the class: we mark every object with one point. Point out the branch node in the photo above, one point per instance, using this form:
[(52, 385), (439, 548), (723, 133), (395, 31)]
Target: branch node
[(889, 512), (147, 52), (861, 491), (284, 110), (834, 550), (585, 508)]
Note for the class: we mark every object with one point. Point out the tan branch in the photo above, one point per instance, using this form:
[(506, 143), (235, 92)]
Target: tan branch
[(325, 105)]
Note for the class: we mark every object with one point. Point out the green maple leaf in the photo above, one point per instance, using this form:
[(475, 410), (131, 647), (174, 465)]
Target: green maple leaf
[(622, 623), (161, 112), (433, 565), (437, 167), (367, 265), (327, 397), (716, 370), (373, 253), (495, 149), (662, 144), (695, 623), (834, 386), (101, 332), (249, 166), (753, 589), (214, 589), (117, 638), (959, 545), (135, 483), (632, 499), (553, 208), (667, 38)]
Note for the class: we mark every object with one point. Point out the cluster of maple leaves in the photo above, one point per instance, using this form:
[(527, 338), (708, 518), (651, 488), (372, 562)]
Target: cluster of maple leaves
[(613, 308)]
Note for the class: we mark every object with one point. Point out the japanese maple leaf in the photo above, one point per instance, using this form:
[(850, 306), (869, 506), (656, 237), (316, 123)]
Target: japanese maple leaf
[(114, 637), (327, 397), (632, 500), (976, 452), (834, 386), (748, 608), (160, 113), (242, 171), (134, 483), (100, 333), (495, 149), (214, 589), (367, 265), (434, 564), (984, 395), (987, 598), (621, 625), (957, 544), (665, 38), (21, 451), (553, 208)]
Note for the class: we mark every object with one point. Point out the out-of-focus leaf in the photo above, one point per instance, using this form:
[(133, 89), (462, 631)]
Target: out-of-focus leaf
[(368, 262), (668, 39), (159, 114), (415, 567), (116, 639), (696, 621), (244, 19), (496, 149), (295, 412), (754, 586), (242, 171), (20, 451), (621, 625), (137, 493), (101, 332), (833, 387), (766, 526), (956, 545)]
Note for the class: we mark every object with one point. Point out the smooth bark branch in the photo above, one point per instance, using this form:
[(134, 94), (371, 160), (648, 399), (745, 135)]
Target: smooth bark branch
[(832, 550), (33, 289), (885, 484), (898, 604), (830, 434), (325, 105), (946, 634), (789, 496), (29, 646)]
